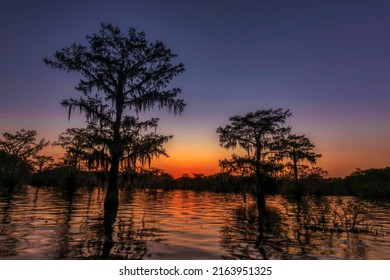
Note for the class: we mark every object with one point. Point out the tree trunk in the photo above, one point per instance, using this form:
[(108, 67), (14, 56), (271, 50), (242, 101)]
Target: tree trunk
[(260, 198), (111, 202), (259, 178), (295, 172), (298, 191)]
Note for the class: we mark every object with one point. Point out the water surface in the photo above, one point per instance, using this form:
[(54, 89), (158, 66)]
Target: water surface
[(46, 223)]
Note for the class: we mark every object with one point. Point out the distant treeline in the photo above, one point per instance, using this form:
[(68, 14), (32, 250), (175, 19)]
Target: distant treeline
[(369, 183)]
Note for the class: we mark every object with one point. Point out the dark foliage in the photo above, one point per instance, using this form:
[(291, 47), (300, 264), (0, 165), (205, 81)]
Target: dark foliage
[(122, 75)]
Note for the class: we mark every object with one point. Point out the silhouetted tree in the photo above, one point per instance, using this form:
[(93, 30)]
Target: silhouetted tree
[(40, 161), (257, 133), (121, 73), (75, 142), (21, 147), (298, 148)]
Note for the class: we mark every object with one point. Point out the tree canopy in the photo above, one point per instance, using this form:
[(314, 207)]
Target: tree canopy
[(120, 71)]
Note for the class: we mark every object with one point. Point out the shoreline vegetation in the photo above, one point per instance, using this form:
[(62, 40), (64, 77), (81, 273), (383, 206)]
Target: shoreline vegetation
[(372, 184)]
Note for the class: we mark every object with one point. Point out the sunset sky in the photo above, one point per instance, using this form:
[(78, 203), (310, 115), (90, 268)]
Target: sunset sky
[(326, 61)]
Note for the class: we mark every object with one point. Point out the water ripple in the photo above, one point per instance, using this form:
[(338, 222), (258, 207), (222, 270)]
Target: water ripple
[(46, 223)]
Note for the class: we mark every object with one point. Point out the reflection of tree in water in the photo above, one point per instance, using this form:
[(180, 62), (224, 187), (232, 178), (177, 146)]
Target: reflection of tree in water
[(15, 211), (127, 243), (85, 231), (247, 236), (64, 235), (111, 237), (288, 233), (8, 243), (29, 208), (6, 197), (239, 233), (328, 227)]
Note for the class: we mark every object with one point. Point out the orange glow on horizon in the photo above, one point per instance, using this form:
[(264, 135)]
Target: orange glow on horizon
[(179, 164), (203, 158)]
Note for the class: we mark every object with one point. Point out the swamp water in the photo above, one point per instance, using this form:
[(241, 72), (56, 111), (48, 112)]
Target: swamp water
[(46, 223)]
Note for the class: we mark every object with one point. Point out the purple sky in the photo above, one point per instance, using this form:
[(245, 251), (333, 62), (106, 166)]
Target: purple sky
[(326, 61)]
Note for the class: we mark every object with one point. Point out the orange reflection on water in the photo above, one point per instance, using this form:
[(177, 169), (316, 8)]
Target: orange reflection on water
[(52, 223), (181, 220)]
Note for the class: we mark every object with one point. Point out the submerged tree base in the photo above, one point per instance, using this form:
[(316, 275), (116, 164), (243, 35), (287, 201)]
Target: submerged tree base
[(111, 201)]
